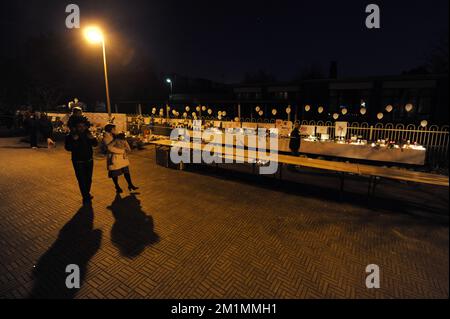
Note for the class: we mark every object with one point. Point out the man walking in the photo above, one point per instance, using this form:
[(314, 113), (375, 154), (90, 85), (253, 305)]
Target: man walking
[(80, 142)]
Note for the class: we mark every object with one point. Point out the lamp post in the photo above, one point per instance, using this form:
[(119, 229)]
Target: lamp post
[(169, 81), (95, 35)]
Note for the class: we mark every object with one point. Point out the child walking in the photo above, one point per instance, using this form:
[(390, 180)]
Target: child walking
[(117, 157)]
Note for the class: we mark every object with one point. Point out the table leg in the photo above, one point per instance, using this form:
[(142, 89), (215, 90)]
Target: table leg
[(341, 190), (369, 190), (374, 185)]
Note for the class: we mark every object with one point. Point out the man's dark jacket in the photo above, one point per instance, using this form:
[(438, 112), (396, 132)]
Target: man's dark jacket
[(81, 148)]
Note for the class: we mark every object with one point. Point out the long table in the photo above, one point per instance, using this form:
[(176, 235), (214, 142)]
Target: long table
[(365, 152), (406, 156), (250, 156)]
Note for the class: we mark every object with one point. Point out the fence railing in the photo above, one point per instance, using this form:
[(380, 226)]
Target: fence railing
[(434, 138)]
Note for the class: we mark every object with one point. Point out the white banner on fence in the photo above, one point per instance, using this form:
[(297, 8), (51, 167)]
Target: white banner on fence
[(341, 129)]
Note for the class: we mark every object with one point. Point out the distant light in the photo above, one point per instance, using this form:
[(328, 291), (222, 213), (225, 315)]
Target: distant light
[(93, 34), (168, 80)]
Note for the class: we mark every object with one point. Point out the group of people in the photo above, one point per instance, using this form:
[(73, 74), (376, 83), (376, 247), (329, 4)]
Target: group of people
[(38, 125), (80, 142)]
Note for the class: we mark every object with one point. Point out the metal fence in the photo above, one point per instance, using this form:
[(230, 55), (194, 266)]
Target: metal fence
[(434, 138)]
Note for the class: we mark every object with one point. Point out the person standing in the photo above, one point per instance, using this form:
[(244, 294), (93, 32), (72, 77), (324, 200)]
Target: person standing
[(294, 142), (46, 129), (32, 128), (80, 142)]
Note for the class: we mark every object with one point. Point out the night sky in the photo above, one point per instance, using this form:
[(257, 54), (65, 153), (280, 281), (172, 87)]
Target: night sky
[(222, 40)]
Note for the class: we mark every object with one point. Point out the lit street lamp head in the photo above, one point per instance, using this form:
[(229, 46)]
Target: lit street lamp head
[(93, 34), (168, 80)]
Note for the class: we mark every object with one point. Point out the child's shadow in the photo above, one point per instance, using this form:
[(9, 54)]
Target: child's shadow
[(133, 229)]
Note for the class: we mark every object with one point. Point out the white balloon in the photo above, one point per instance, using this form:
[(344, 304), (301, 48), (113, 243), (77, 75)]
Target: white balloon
[(424, 123), (307, 108), (209, 111), (184, 114), (344, 111), (380, 116), (274, 112), (203, 108), (408, 107), (335, 116), (219, 113), (193, 114), (198, 108), (288, 110), (224, 113), (188, 108), (363, 111), (236, 119), (257, 109), (261, 113), (320, 110), (389, 108), (219, 117)]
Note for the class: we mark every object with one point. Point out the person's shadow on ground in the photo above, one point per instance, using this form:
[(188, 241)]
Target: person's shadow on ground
[(133, 229), (77, 243)]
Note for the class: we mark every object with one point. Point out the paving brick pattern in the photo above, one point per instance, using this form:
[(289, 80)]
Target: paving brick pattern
[(191, 234)]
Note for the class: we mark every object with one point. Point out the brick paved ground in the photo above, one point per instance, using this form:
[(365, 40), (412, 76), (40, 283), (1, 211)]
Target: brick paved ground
[(197, 234)]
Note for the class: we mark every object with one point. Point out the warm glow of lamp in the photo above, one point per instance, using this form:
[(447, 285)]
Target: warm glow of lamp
[(93, 34)]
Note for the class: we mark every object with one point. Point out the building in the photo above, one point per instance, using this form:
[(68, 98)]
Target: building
[(427, 93)]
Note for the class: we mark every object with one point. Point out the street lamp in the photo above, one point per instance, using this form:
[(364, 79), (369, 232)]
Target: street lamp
[(169, 81), (95, 35)]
